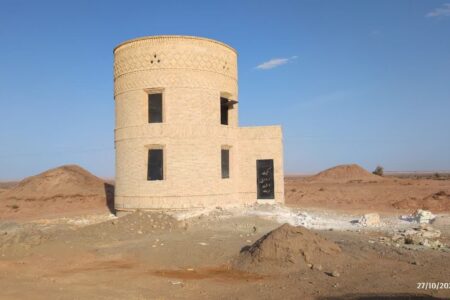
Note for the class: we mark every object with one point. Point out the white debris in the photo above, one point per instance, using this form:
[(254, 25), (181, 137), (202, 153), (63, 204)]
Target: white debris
[(281, 214), (423, 216), (370, 220), (424, 235)]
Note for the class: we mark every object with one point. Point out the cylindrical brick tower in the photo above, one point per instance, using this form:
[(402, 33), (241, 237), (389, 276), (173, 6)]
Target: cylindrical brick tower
[(170, 93)]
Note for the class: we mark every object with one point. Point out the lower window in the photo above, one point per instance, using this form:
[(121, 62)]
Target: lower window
[(225, 158), (155, 164)]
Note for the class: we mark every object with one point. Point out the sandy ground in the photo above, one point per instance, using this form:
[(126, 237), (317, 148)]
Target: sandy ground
[(154, 256), (390, 196), (191, 255)]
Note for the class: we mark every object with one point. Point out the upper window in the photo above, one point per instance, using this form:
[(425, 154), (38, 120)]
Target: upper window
[(223, 111), (155, 113), (155, 164), (225, 158)]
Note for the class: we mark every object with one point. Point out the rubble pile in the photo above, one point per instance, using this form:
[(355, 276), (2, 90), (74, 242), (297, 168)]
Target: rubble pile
[(370, 220), (423, 216), (424, 235)]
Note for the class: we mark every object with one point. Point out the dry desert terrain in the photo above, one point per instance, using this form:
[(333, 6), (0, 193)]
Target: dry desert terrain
[(60, 240)]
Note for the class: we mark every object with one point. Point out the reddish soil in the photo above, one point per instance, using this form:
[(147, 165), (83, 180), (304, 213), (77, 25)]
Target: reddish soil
[(67, 190), (128, 259), (345, 173), (151, 255), (360, 191), (288, 249)]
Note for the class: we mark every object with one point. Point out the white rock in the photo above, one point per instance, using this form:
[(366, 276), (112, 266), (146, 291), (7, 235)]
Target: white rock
[(372, 219), (423, 216)]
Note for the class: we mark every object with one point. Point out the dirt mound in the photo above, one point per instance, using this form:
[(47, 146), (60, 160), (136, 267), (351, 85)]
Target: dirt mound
[(288, 249), (437, 202), (63, 190), (65, 181), (345, 173)]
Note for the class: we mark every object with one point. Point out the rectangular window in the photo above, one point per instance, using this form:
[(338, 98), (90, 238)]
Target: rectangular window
[(223, 111), (225, 157), (155, 114), (155, 164)]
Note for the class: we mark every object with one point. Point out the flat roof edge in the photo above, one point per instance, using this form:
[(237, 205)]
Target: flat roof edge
[(173, 37)]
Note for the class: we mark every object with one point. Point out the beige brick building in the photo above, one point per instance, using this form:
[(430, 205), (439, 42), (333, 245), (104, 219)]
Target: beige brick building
[(177, 139)]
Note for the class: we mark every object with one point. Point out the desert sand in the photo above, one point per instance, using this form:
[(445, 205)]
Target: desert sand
[(59, 240), (67, 190), (351, 188)]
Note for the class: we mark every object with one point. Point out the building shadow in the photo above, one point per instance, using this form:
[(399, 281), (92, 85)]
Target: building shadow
[(109, 193), (383, 297)]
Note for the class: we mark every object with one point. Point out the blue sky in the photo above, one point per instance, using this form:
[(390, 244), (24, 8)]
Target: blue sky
[(364, 82)]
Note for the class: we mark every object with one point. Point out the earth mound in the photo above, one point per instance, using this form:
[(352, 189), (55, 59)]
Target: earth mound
[(437, 202), (288, 249), (61, 182), (63, 190), (341, 173)]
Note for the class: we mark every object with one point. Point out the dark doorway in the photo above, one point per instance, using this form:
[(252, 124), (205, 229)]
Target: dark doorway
[(264, 179)]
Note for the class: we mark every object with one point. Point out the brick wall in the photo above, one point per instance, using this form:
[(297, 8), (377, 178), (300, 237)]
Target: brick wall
[(192, 74)]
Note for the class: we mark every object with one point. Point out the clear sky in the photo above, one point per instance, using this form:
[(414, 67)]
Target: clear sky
[(364, 82)]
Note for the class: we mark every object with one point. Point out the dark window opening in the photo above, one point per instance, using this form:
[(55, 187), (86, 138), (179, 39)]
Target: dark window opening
[(224, 111), (225, 106), (155, 164), (155, 108), (225, 157)]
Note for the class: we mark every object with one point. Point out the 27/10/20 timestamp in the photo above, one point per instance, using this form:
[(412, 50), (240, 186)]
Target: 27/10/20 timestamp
[(433, 285)]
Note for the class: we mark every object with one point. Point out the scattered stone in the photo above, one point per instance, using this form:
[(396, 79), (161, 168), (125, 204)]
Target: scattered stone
[(423, 235), (203, 244), (370, 220), (317, 267), (423, 216), (335, 274)]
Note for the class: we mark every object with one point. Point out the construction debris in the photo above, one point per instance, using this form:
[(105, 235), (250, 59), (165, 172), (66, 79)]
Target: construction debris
[(423, 216), (370, 220), (424, 235)]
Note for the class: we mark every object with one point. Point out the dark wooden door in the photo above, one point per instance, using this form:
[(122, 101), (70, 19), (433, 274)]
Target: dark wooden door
[(264, 179)]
